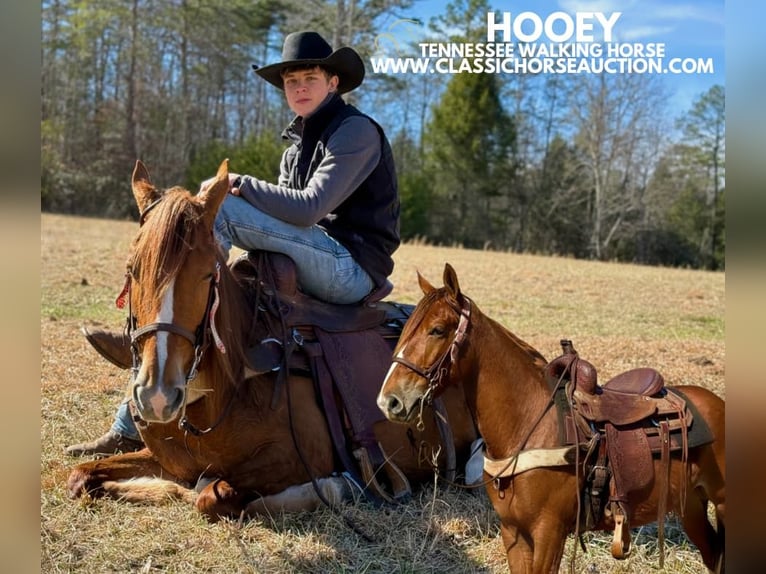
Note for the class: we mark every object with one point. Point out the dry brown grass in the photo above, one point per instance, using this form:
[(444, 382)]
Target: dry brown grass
[(619, 316)]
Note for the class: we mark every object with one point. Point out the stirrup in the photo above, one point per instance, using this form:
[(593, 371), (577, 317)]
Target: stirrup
[(621, 538), (399, 483), (396, 478)]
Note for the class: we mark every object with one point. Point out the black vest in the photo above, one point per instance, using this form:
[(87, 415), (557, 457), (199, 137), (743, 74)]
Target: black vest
[(367, 222)]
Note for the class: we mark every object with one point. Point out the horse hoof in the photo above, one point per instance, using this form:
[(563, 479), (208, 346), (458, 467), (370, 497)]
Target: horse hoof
[(82, 483), (219, 500)]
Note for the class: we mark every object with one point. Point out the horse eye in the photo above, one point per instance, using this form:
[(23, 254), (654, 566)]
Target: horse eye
[(436, 331), (208, 276)]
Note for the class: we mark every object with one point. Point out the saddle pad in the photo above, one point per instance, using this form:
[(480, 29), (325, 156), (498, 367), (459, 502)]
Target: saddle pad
[(699, 432), (358, 363)]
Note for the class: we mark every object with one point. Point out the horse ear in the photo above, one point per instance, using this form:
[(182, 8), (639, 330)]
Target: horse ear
[(143, 188), (451, 282), (213, 195), (425, 286)]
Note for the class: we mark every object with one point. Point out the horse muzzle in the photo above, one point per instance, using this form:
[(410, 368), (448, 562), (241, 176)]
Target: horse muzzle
[(397, 406), (157, 403)]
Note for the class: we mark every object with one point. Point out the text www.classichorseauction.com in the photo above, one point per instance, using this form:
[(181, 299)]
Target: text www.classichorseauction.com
[(558, 44)]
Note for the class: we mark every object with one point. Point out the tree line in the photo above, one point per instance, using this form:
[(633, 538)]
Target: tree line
[(582, 166)]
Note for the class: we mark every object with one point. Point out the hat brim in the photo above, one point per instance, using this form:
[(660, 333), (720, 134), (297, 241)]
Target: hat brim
[(344, 62)]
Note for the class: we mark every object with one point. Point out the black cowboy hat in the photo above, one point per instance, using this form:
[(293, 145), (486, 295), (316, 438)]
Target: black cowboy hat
[(301, 48)]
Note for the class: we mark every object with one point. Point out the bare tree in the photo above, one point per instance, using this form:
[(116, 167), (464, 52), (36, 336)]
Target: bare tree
[(615, 119)]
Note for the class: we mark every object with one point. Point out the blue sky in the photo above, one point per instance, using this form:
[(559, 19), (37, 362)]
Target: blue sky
[(688, 28)]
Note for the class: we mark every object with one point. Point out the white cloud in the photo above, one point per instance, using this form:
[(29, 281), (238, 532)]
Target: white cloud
[(652, 11), (649, 19), (708, 13), (639, 32)]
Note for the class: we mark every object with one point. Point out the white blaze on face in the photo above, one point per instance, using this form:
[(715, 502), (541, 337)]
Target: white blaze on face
[(165, 315), (394, 364), (382, 402)]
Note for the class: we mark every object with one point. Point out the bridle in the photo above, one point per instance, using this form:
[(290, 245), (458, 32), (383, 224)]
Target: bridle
[(437, 377), (199, 339), (437, 374)]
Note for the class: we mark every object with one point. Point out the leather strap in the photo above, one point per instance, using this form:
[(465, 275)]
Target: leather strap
[(332, 414), (664, 480), (448, 440), (437, 373), (528, 460)]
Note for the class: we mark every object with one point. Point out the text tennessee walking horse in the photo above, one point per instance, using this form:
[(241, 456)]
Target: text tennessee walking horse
[(264, 442), (448, 340)]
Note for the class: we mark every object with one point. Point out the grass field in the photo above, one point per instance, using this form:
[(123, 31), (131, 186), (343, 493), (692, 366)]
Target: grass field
[(619, 316)]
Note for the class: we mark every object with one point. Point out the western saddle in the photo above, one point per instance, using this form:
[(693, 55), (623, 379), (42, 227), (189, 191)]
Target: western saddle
[(346, 349), (622, 426)]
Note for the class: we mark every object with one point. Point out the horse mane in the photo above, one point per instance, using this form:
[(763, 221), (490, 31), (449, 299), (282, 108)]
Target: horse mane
[(162, 248), (163, 244)]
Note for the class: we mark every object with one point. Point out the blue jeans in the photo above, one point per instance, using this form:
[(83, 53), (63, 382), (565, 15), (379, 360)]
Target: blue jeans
[(123, 422), (325, 268)]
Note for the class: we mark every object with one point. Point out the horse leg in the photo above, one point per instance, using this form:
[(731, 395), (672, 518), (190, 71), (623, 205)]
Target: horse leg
[(719, 503), (548, 548), (715, 488), (152, 490), (301, 497), (708, 540), (518, 550), (117, 476), (720, 563), (708, 481)]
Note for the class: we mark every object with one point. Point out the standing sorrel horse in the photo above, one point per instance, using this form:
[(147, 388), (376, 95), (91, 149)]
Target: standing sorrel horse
[(189, 320), (448, 341)]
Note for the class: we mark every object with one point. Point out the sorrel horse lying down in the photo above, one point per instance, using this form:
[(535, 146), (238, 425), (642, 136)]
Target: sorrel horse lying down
[(262, 454), (447, 341)]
